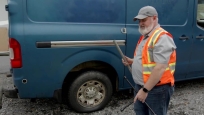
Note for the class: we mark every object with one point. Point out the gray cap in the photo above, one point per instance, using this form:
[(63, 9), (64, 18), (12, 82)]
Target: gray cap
[(146, 12)]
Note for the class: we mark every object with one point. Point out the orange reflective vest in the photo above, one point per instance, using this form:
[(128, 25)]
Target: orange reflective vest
[(147, 58)]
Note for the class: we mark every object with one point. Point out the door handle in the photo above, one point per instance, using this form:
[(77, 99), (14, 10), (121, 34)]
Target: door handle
[(199, 37), (123, 30), (183, 38)]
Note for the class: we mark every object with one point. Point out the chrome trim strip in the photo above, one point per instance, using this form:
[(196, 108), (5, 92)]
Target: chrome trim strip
[(86, 43)]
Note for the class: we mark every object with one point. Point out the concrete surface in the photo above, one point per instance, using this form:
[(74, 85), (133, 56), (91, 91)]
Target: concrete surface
[(3, 13), (4, 64)]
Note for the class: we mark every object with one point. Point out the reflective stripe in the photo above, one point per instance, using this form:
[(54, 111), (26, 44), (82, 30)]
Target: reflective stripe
[(146, 72), (155, 38), (172, 64), (149, 65), (172, 67), (149, 43), (172, 71), (152, 43), (149, 57), (167, 68), (147, 68), (156, 32)]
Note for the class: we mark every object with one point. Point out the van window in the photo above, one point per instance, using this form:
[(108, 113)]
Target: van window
[(200, 13), (79, 11)]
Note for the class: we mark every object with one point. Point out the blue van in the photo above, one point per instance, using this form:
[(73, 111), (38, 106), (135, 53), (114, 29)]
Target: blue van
[(64, 49)]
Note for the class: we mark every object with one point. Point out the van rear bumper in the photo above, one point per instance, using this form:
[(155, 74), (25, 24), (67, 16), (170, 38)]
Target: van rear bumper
[(8, 88), (10, 92)]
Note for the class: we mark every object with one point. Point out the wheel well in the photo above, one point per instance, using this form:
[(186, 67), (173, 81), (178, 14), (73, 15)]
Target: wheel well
[(91, 65)]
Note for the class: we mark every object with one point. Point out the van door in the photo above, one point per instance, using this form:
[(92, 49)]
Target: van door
[(196, 68), (172, 17), (70, 28)]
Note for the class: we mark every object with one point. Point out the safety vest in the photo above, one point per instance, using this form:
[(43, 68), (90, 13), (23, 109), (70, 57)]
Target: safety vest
[(148, 62)]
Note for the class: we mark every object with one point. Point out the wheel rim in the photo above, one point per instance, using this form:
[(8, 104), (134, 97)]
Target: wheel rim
[(91, 93)]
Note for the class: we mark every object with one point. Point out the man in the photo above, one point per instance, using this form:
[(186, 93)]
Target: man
[(153, 64)]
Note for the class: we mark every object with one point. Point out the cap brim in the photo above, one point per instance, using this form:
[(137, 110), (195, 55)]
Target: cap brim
[(139, 17)]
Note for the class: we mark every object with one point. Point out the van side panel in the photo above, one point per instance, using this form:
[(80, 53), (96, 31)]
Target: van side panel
[(196, 68), (46, 68), (55, 72)]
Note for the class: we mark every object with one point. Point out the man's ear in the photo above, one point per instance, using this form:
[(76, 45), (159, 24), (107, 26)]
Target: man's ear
[(154, 17)]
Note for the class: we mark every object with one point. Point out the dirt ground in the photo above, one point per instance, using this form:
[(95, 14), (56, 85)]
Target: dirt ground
[(187, 99)]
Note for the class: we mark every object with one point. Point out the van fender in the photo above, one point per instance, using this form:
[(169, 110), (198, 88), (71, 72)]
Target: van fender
[(92, 55)]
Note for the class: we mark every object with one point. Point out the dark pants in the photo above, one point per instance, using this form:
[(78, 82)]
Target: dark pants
[(158, 99)]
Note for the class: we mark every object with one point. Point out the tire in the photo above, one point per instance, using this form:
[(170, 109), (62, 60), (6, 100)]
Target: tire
[(89, 92)]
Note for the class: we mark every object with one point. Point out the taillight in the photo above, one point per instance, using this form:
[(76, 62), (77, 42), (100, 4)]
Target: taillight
[(15, 53)]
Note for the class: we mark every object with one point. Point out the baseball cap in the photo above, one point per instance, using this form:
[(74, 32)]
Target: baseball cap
[(146, 12)]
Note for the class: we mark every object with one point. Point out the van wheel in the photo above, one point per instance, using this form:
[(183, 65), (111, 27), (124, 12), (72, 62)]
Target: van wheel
[(90, 91)]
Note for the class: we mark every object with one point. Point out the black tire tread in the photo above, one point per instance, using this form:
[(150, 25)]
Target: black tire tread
[(89, 75)]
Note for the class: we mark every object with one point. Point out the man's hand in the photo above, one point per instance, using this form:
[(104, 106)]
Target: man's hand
[(129, 61), (141, 96)]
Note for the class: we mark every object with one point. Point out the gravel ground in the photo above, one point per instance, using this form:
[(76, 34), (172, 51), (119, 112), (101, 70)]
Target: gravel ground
[(186, 100)]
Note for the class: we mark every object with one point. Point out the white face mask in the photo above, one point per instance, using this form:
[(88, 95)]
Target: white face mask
[(146, 30)]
